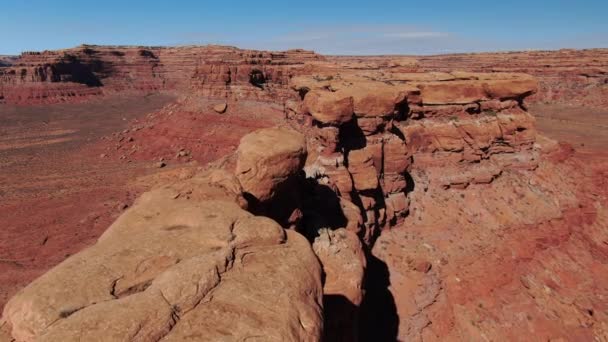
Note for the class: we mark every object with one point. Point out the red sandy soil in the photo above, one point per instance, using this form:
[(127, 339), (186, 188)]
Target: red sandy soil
[(56, 196), (68, 171), (583, 127)]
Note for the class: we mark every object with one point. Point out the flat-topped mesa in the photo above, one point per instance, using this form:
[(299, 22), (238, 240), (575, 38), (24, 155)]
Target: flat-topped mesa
[(210, 71), (566, 76), (367, 131)]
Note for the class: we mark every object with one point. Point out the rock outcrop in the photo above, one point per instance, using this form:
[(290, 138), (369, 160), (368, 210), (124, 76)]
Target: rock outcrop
[(574, 77), (266, 160), (185, 262), (366, 133)]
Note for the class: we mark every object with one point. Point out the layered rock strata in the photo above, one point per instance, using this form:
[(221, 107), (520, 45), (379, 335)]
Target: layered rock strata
[(88, 71), (366, 134), (566, 76), (450, 160)]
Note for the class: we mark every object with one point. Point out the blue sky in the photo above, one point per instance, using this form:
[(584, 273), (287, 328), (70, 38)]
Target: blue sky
[(331, 27)]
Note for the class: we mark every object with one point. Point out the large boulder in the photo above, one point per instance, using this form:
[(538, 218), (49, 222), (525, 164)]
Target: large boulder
[(268, 158), (374, 99), (329, 107), (178, 267)]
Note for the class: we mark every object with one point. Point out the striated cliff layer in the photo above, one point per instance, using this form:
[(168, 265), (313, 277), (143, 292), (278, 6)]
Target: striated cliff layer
[(565, 76), (87, 71), (568, 76)]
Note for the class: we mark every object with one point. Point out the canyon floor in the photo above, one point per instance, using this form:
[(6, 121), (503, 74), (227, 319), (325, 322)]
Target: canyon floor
[(58, 194)]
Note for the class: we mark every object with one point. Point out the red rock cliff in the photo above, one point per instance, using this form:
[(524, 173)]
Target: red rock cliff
[(210, 71)]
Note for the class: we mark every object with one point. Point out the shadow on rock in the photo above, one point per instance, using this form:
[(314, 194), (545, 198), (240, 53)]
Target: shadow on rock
[(341, 319), (378, 313)]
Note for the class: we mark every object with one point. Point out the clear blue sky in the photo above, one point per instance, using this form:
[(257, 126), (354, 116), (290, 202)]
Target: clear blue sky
[(335, 27)]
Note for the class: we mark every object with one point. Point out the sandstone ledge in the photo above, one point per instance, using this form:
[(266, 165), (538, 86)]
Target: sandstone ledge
[(179, 265)]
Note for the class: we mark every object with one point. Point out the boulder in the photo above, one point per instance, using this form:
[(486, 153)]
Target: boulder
[(374, 99), (397, 205), (267, 158), (329, 107), (220, 108)]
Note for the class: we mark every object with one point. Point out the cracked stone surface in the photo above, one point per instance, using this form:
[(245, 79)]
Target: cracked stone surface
[(176, 268)]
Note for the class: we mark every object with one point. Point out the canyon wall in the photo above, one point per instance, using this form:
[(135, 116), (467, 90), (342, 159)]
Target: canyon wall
[(78, 74), (565, 76), (88, 71)]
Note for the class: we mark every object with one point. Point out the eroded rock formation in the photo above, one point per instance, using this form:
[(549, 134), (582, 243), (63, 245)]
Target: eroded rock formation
[(87, 71), (565, 76), (365, 130), (185, 262)]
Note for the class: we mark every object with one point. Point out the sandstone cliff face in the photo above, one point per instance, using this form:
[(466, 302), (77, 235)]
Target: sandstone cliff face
[(212, 71), (368, 133), (385, 144)]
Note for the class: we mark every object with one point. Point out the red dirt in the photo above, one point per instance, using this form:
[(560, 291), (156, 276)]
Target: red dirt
[(58, 196), (70, 170)]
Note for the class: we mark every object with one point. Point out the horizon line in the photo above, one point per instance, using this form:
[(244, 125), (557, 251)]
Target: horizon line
[(169, 46)]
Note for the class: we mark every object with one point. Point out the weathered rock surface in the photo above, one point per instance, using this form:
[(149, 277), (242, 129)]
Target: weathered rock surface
[(267, 158), (565, 76), (468, 127), (220, 108), (332, 108), (447, 152), (185, 262), (344, 262)]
